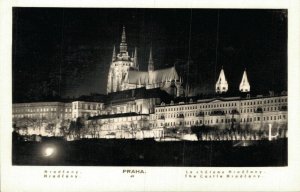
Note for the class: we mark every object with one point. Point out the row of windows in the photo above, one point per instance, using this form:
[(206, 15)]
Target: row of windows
[(48, 115), (39, 104), (246, 103), (264, 102), (279, 117), (41, 110), (249, 110), (121, 119), (35, 110), (195, 107), (191, 114), (87, 106), (124, 64)]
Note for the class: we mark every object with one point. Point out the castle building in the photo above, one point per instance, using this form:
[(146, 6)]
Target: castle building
[(124, 73), (86, 109), (42, 110), (229, 112), (140, 104)]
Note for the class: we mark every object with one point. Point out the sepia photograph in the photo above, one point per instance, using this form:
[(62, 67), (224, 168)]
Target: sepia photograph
[(151, 87)]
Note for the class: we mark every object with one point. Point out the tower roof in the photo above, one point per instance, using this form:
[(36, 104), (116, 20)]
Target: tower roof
[(245, 85), (114, 53), (222, 78), (123, 44), (221, 85), (150, 62), (136, 58)]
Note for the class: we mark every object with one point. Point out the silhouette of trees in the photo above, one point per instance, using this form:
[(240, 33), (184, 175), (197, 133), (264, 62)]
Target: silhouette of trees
[(76, 128)]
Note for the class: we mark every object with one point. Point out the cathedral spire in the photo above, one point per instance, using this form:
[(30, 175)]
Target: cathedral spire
[(123, 45), (221, 85), (150, 62), (136, 59), (114, 53), (244, 85)]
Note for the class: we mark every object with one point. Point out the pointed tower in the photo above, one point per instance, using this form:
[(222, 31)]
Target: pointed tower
[(244, 85), (123, 44), (114, 54), (150, 62), (222, 85), (135, 61)]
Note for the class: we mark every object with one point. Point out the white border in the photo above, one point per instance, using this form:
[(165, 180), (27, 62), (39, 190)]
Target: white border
[(26, 178)]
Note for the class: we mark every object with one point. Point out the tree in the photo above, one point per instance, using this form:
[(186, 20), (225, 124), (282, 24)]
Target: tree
[(50, 128), (76, 127), (64, 127)]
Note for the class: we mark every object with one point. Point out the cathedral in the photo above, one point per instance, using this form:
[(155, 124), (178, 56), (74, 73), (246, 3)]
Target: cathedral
[(124, 73)]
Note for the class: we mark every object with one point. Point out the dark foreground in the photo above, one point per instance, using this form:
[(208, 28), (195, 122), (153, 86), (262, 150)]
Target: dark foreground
[(150, 153)]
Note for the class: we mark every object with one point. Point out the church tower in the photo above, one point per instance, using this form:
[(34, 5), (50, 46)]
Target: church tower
[(244, 85), (120, 65), (150, 62), (123, 44), (221, 85), (135, 59)]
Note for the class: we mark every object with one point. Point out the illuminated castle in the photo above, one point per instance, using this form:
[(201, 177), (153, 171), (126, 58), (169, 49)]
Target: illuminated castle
[(145, 104), (124, 73)]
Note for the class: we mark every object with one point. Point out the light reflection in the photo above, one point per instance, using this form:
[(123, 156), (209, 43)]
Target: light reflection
[(48, 151)]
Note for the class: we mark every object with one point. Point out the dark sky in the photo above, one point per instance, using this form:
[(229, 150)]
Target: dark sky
[(77, 43)]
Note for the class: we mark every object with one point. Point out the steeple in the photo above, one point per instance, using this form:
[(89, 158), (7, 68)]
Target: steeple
[(221, 85), (114, 53), (135, 61), (244, 85), (150, 62), (123, 45)]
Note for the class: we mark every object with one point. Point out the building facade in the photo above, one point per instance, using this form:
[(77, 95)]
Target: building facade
[(40, 110), (86, 109), (233, 112)]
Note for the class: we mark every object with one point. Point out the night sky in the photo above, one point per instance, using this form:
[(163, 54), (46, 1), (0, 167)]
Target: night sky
[(67, 51)]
